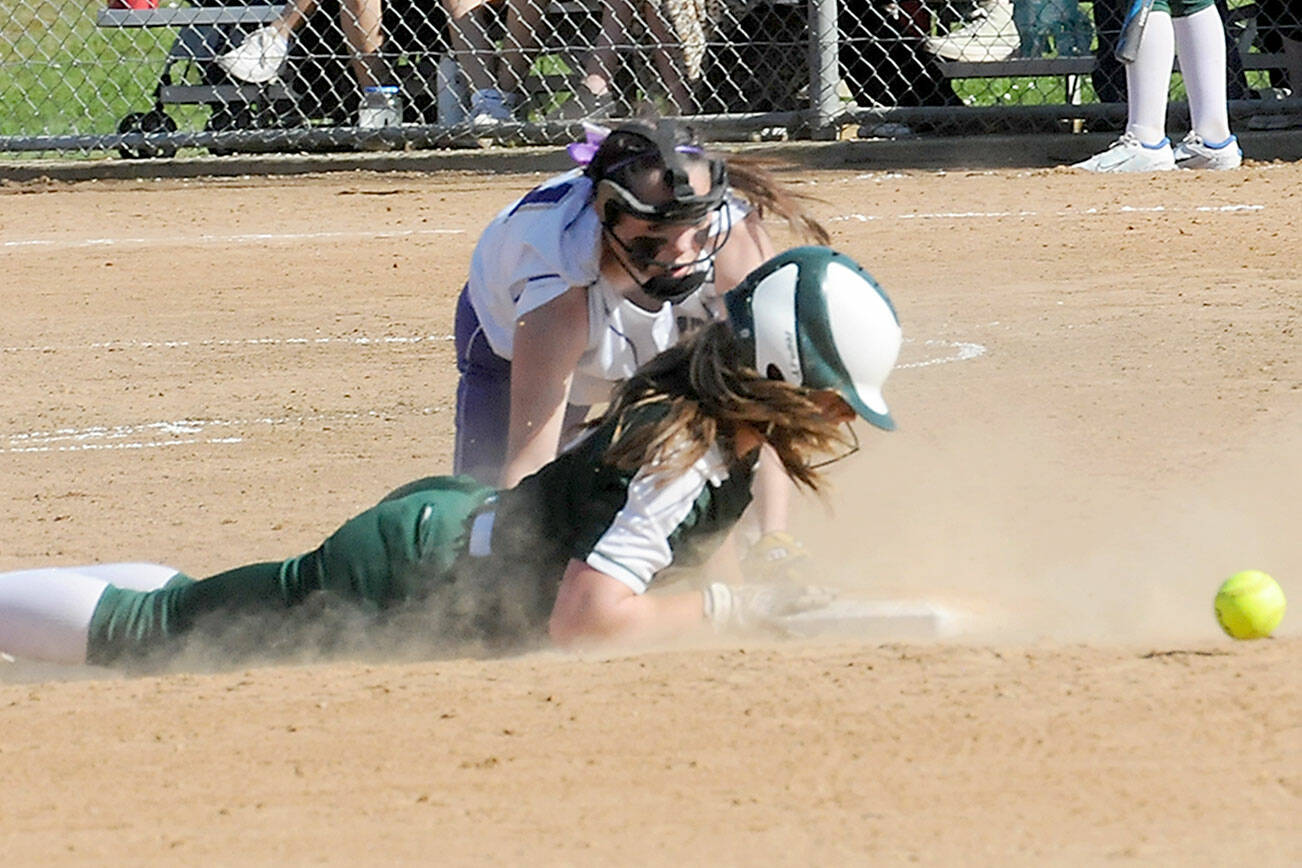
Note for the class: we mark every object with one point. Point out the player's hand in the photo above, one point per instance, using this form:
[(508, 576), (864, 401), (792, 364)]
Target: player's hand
[(760, 608), (776, 557)]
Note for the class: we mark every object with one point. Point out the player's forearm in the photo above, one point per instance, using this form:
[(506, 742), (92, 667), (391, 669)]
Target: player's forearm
[(531, 443), (547, 345), (538, 400), (635, 620), (646, 619)]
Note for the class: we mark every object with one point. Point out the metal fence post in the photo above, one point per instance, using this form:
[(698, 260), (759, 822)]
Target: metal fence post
[(824, 74)]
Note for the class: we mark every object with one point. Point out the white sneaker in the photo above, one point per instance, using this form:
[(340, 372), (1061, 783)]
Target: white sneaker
[(1128, 154), (381, 107), (490, 107), (259, 58), (988, 35), (1194, 153)]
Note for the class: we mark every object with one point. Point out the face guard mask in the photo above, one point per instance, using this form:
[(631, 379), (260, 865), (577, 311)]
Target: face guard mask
[(656, 146), (641, 253)]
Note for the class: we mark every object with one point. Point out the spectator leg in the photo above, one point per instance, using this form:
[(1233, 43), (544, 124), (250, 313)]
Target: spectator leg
[(599, 72), (294, 15), (666, 54), (360, 21), (474, 50), (1109, 75), (523, 19), (1236, 82)]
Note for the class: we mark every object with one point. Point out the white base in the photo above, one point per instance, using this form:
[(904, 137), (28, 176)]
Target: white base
[(877, 619)]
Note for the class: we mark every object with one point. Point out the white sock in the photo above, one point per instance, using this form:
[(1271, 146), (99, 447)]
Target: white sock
[(45, 614), (1148, 79), (1200, 40)]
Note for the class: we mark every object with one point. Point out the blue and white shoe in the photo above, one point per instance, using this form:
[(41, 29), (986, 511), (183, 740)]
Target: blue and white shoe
[(1129, 154), (1195, 153)]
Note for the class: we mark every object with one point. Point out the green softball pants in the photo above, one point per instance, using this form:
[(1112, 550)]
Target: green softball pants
[(395, 551), (1181, 8)]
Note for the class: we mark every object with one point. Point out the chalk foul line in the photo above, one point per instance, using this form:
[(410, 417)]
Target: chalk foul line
[(961, 351), (357, 341), (175, 432), (383, 234), (1072, 212), (206, 239)]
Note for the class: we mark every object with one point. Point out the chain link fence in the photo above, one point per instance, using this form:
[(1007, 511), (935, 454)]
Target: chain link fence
[(149, 78)]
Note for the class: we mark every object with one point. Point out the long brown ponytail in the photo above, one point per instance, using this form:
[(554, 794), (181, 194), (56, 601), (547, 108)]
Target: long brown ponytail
[(752, 178), (710, 394)]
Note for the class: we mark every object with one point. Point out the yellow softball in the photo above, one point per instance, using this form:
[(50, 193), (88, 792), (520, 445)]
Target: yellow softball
[(1249, 605)]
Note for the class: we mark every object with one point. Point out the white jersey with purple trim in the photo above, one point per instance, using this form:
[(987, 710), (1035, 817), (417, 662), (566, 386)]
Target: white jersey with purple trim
[(548, 241), (622, 336)]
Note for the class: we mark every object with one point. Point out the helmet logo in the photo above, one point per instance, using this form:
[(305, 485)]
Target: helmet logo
[(773, 306)]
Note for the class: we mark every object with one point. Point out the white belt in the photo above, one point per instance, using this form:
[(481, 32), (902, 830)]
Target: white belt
[(481, 535)]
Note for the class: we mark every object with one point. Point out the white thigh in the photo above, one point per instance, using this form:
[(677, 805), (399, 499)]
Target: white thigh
[(45, 613)]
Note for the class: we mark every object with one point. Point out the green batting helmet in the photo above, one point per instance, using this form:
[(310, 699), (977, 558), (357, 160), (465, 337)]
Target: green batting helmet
[(813, 316)]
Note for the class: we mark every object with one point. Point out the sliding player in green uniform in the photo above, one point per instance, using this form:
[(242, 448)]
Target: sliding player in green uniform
[(570, 552)]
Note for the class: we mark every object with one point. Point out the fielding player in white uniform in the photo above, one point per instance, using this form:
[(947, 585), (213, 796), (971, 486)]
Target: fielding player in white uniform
[(591, 274), (568, 554), (549, 241)]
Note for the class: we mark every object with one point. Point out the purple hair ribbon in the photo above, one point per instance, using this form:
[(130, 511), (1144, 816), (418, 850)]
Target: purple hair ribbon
[(583, 152)]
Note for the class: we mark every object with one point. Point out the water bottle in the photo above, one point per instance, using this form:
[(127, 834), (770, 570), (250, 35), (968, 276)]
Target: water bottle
[(381, 107)]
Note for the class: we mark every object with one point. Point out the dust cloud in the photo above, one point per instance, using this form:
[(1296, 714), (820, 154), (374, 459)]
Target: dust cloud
[(1033, 547)]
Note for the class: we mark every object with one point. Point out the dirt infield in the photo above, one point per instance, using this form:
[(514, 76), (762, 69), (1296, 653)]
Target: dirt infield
[(1100, 409)]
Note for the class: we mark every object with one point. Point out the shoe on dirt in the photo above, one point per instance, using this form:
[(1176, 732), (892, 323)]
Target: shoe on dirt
[(1128, 154), (1195, 153)]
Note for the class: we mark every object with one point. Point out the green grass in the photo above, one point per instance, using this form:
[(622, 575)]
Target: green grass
[(1047, 90), (60, 74)]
